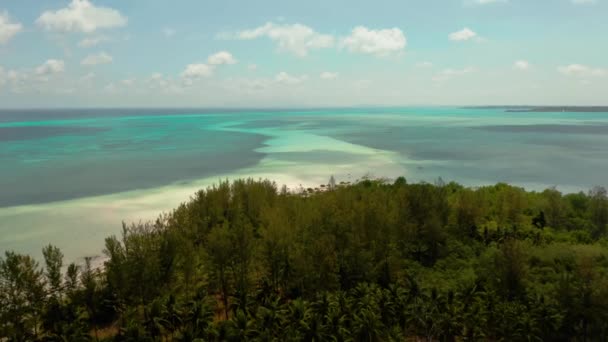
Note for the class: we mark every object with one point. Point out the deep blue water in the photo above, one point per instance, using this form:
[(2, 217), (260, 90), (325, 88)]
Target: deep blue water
[(51, 155)]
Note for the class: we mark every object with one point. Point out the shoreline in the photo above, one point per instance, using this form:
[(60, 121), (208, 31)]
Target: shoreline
[(79, 226)]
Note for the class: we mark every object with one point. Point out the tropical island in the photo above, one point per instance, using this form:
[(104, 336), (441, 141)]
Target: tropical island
[(375, 260)]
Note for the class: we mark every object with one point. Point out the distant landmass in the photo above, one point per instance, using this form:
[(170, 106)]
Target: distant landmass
[(552, 109)]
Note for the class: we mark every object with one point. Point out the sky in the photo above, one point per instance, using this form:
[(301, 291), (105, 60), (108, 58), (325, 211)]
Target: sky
[(313, 53)]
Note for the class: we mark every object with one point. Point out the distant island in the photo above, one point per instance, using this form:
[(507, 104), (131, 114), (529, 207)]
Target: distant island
[(369, 261), (552, 109)]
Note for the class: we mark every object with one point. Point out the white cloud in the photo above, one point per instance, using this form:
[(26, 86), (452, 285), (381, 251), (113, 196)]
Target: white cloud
[(424, 64), (19, 80), (376, 42), (487, 2), (462, 35), (156, 76), (327, 75), (296, 38), (88, 77), (222, 57), (158, 81), (92, 41), (200, 70), (128, 82), (81, 16), (521, 65), (51, 66), (169, 32), (35, 79), (252, 67), (8, 28), (288, 79), (584, 2), (100, 58), (110, 88), (448, 74), (580, 70)]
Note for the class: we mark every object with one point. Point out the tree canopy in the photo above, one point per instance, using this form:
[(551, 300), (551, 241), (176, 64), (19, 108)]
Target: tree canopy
[(370, 261)]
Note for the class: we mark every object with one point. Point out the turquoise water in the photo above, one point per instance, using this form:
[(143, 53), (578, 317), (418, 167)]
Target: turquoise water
[(69, 177)]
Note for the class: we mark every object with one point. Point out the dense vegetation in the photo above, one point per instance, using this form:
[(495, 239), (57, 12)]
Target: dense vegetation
[(371, 261)]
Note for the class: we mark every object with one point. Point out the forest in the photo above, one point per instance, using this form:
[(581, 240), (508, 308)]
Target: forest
[(375, 260)]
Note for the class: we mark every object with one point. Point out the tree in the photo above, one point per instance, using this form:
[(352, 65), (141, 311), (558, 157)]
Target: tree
[(539, 221), (89, 284), (220, 258), (53, 259), (598, 209), (368, 262), (554, 208), (510, 263), (468, 210), (71, 279), (21, 296), (332, 183)]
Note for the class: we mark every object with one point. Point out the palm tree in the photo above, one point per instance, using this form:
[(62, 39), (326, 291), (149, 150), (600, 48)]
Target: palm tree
[(367, 325), (269, 321), (157, 324), (336, 324), (240, 327), (198, 319)]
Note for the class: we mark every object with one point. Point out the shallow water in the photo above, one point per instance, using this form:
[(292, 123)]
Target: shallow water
[(69, 177)]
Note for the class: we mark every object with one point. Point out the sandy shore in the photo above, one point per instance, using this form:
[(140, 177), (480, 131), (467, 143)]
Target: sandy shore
[(79, 227)]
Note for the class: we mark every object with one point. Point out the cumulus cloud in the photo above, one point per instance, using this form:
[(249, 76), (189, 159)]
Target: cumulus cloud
[(156, 77), (521, 65), (462, 35), (157, 80), (100, 58), (81, 16), (375, 42), (128, 82), (288, 79), (447, 74), (35, 79), (327, 75), (580, 70), (222, 57), (201, 70), (8, 28), (92, 41), (51, 66), (195, 71), (294, 38), (19, 80), (160, 82)]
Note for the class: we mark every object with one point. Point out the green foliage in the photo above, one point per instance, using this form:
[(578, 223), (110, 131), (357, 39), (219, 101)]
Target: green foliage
[(371, 261)]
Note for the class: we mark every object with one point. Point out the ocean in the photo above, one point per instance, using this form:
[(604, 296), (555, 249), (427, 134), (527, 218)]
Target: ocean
[(70, 177)]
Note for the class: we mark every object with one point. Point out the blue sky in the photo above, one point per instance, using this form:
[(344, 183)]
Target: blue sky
[(111, 53)]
